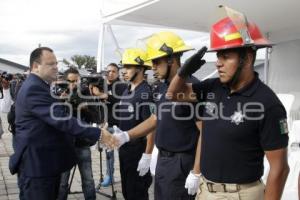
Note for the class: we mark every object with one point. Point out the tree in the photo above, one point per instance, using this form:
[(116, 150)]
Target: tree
[(90, 62), (80, 61)]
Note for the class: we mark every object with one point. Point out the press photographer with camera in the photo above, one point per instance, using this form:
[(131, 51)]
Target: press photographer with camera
[(6, 101), (8, 93), (82, 145), (115, 88), (11, 84)]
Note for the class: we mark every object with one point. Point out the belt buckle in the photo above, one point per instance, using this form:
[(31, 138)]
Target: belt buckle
[(224, 187), (210, 187), (213, 188)]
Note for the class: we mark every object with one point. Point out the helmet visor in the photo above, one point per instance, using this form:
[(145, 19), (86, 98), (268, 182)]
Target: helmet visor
[(237, 20)]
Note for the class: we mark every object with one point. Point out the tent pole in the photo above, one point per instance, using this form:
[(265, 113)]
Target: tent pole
[(118, 50), (100, 48), (266, 63)]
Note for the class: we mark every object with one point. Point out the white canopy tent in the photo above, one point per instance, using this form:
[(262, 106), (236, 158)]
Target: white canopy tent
[(277, 19)]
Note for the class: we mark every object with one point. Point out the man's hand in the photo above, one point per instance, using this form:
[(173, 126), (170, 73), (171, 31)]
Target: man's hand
[(96, 92), (192, 183), (64, 95), (121, 136), (144, 164), (192, 64), (107, 139)]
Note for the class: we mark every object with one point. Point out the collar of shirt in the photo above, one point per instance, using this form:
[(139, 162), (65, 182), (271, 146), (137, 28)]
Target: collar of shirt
[(136, 88), (36, 76)]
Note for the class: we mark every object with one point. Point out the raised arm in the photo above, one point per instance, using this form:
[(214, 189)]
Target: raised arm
[(179, 90)]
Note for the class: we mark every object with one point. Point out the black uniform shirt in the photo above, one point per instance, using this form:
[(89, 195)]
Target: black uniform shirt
[(238, 128), (176, 130), (134, 106)]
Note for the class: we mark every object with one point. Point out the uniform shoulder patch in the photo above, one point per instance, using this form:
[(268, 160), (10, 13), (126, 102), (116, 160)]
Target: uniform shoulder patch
[(283, 126)]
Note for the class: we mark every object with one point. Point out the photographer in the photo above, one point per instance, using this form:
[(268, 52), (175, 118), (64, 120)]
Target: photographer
[(115, 90), (82, 145), (10, 85), (7, 98)]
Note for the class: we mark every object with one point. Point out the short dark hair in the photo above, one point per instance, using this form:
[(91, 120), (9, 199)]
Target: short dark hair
[(71, 70), (177, 57), (114, 65), (36, 54), (252, 50)]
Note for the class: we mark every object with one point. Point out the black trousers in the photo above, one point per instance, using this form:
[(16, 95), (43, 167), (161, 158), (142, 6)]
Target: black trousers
[(171, 172), (134, 187), (37, 188), (45, 188)]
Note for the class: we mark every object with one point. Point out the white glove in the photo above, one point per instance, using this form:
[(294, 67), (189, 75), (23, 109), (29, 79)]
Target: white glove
[(144, 164), (122, 136), (192, 183)]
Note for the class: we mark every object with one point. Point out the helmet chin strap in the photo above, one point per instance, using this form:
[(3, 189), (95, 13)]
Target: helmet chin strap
[(135, 75), (242, 57), (169, 65)]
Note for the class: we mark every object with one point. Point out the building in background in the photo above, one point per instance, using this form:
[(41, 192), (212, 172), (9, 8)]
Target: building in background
[(11, 67)]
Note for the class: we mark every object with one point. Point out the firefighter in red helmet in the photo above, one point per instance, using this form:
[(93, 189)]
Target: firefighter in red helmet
[(243, 120)]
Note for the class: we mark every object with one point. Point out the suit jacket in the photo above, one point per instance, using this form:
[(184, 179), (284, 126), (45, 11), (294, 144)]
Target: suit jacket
[(44, 146)]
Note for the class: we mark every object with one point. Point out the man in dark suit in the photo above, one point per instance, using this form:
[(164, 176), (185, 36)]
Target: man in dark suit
[(44, 147)]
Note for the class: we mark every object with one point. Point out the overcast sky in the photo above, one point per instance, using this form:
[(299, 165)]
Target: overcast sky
[(69, 27)]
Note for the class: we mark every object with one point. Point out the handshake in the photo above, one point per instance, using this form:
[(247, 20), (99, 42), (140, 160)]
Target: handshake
[(116, 139), (113, 140)]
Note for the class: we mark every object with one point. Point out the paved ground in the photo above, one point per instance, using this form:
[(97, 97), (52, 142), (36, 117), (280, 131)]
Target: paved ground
[(8, 183)]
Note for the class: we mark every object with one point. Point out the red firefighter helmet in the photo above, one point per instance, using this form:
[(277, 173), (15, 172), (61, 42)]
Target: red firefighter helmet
[(225, 35)]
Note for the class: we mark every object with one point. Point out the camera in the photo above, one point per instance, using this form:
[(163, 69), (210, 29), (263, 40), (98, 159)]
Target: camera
[(86, 81), (82, 92), (6, 76), (59, 88), (95, 80)]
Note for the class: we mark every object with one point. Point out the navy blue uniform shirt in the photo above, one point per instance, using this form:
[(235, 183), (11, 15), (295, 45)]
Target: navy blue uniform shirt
[(237, 128), (176, 130), (135, 106)]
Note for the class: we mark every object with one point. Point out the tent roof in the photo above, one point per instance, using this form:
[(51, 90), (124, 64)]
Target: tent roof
[(276, 17)]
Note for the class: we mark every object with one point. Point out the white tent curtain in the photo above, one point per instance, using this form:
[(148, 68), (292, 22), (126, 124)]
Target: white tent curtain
[(284, 73)]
